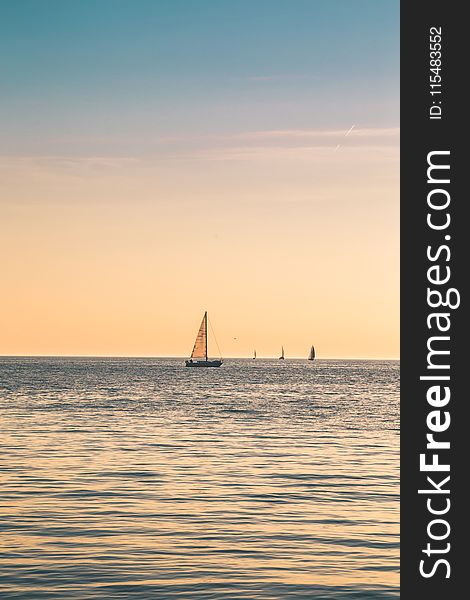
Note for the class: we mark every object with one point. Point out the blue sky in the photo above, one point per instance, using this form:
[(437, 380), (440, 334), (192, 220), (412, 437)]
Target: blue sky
[(85, 76)]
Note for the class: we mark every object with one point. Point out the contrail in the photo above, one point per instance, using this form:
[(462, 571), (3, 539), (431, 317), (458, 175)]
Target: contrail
[(345, 135)]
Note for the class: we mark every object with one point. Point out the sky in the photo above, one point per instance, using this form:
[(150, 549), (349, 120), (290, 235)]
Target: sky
[(160, 158)]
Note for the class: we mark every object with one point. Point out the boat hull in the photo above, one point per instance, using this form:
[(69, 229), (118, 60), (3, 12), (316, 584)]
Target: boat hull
[(203, 363)]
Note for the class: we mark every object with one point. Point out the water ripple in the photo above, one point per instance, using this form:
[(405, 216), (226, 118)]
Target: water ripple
[(138, 478)]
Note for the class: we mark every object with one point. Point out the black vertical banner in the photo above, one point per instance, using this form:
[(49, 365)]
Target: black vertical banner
[(434, 246)]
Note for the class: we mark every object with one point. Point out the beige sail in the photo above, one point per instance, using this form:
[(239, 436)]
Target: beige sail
[(200, 345)]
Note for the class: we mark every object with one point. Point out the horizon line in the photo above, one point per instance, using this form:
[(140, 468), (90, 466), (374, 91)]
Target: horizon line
[(185, 357)]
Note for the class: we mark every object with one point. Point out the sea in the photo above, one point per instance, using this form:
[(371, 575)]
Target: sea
[(140, 478)]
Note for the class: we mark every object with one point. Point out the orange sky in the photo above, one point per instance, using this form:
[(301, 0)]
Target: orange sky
[(282, 236)]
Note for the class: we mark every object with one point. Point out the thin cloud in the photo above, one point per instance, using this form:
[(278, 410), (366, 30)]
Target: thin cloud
[(315, 133), (248, 145), (298, 153), (276, 77)]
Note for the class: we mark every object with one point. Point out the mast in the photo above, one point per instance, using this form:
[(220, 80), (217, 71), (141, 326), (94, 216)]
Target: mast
[(205, 320)]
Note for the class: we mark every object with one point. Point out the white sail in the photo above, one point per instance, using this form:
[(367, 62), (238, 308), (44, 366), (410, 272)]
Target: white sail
[(200, 345)]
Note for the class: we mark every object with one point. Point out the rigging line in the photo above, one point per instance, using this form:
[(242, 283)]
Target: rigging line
[(215, 338)]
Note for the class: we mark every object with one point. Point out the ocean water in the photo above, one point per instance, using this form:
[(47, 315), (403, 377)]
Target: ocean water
[(139, 478)]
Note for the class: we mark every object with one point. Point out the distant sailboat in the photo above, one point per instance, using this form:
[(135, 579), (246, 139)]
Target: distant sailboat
[(282, 353), (199, 354), (254, 355), (311, 356)]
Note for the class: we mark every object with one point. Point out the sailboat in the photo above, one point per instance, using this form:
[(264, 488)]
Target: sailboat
[(282, 353), (311, 356), (254, 355), (199, 354)]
